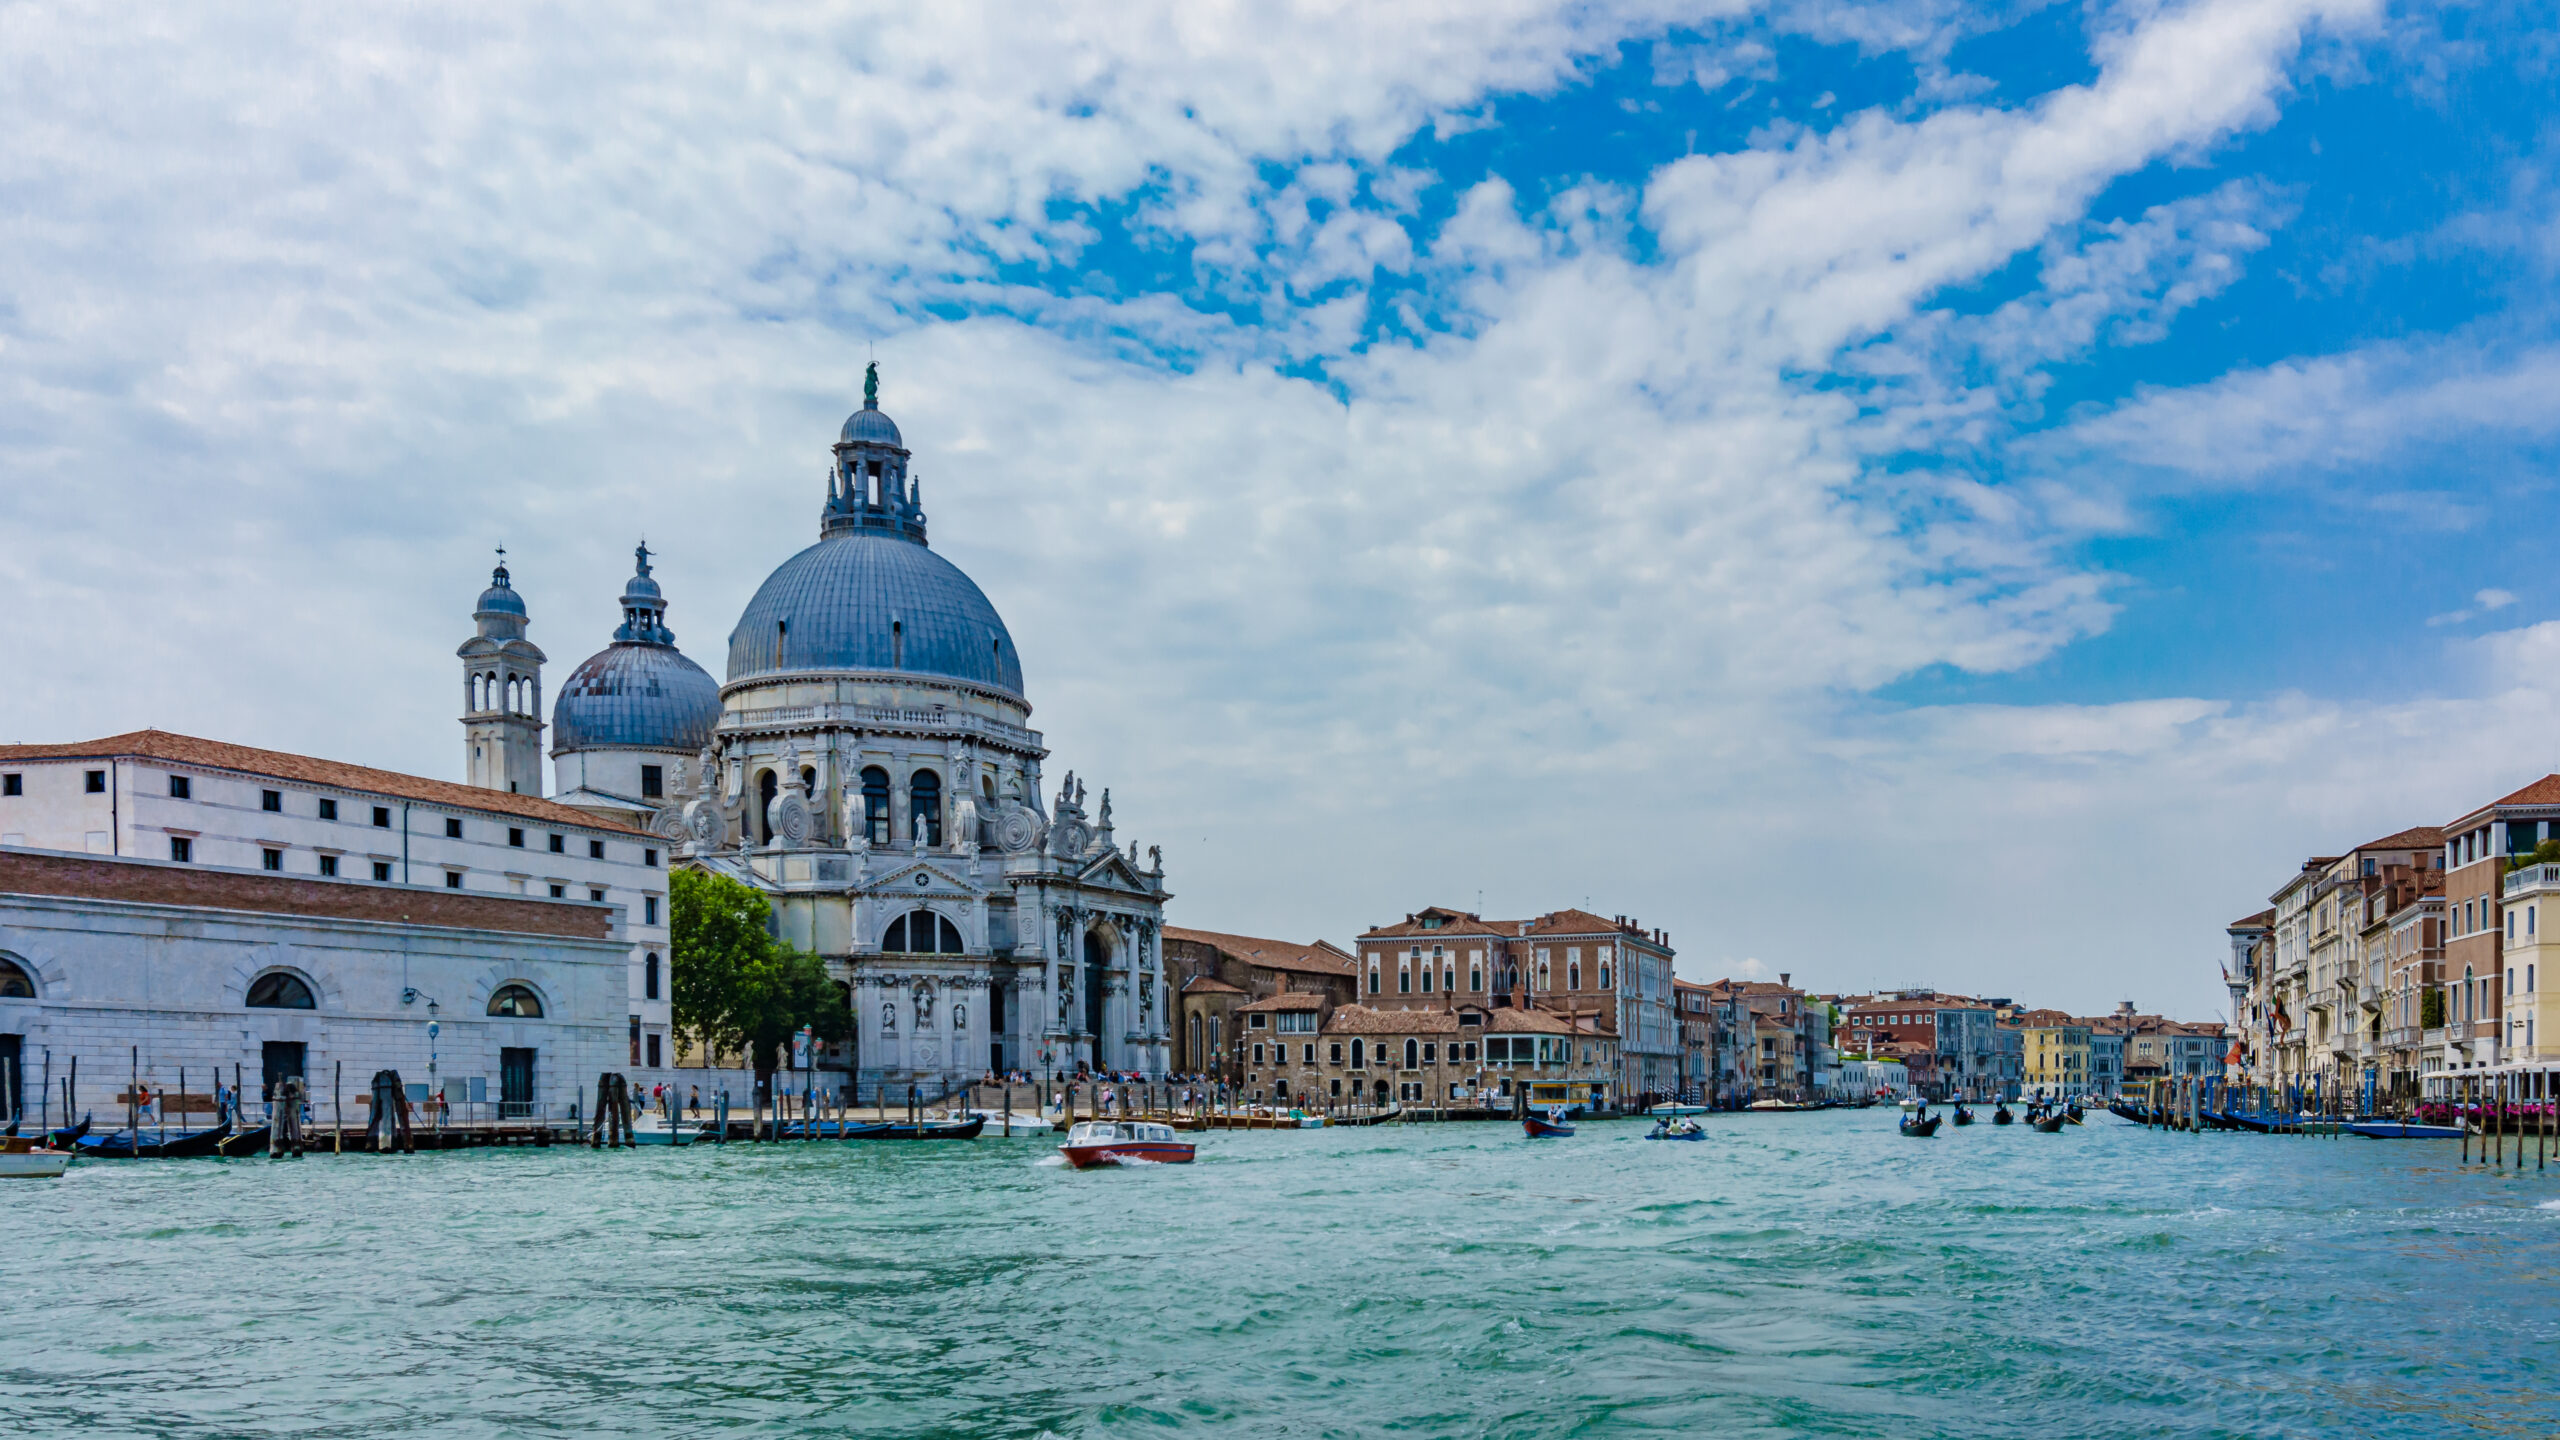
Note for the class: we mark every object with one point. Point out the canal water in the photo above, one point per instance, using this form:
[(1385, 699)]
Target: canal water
[(1795, 1275)]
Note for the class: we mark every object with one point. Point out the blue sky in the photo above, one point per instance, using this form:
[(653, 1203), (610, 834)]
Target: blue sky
[(1897, 493)]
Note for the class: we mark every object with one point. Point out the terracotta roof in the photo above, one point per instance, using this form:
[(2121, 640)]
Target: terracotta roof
[(2545, 791), (2416, 837), (1512, 1021), (1287, 1000), (1210, 985), (168, 748), (2259, 921), (1319, 958), (1466, 923), (1361, 1020)]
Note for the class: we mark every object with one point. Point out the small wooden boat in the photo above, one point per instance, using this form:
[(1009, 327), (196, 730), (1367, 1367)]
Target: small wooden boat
[(24, 1159), (1551, 1125), (1921, 1126), (2403, 1130), (123, 1145), (2000, 1116), (1963, 1116), (2050, 1124), (1668, 1128), (1123, 1142)]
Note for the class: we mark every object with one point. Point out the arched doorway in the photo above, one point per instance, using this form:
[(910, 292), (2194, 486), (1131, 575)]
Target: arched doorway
[(1097, 961)]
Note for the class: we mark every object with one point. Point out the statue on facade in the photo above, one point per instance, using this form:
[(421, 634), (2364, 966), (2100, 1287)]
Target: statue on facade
[(924, 1003)]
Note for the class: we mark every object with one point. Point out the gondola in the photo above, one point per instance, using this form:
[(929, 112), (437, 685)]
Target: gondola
[(243, 1142), (1921, 1126), (2050, 1124), (1963, 1116), (2256, 1124), (64, 1137), (120, 1145), (2071, 1115), (2000, 1115), (922, 1130)]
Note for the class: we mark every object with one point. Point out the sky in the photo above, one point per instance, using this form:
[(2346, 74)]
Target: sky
[(1907, 493)]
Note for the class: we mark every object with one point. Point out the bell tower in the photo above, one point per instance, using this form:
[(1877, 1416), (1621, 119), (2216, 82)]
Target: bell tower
[(501, 693)]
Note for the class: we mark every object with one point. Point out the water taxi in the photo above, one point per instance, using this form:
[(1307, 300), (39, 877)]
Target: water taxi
[(1116, 1142), (24, 1159)]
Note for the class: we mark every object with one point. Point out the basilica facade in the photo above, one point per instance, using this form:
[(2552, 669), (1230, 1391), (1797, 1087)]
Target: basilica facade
[(868, 765)]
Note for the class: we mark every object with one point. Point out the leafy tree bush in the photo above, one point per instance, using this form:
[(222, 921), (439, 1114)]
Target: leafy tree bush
[(735, 985)]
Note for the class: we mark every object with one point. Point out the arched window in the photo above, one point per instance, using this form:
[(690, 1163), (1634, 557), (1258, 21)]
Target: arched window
[(767, 787), (649, 987), (924, 796), (922, 932), (279, 991), (1356, 1054), (1412, 1055), (875, 803), (516, 1002), (15, 982)]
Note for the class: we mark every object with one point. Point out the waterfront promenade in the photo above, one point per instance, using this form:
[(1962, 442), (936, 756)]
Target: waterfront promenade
[(1808, 1274)]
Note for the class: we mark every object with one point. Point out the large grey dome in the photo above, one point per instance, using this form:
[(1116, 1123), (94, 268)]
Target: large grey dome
[(635, 695), (861, 600)]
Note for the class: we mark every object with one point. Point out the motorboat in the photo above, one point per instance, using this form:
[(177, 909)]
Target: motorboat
[(1669, 1127), (1921, 1126), (1551, 1125), (21, 1158), (1914, 1102), (1014, 1125), (1122, 1142), (1670, 1109)]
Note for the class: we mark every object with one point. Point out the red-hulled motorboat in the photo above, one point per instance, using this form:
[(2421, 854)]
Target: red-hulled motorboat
[(1551, 1124), (1121, 1142)]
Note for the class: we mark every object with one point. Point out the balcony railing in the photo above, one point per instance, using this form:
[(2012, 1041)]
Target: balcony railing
[(2320, 999), (2369, 997), (2402, 1037), (2533, 877)]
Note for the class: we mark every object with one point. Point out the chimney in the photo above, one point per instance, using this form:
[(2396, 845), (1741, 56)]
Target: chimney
[(1782, 977)]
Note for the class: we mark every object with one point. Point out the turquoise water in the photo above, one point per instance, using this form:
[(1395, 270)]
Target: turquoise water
[(1795, 1275)]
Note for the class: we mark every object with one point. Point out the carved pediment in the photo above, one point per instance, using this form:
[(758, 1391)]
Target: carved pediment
[(923, 878)]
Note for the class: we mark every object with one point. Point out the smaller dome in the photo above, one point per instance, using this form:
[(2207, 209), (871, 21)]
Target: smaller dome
[(871, 426), (635, 696), (501, 596)]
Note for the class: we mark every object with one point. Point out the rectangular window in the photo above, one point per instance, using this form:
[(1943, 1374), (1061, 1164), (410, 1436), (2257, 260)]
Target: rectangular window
[(559, 892), (1257, 1054), (271, 801), (1430, 1053), (274, 859), (96, 782), (1307, 1054), (648, 909), (1426, 980), (452, 828), (382, 870), (181, 788), (328, 864), (1404, 982), (596, 895), (647, 857), (559, 844), (1336, 1052), (453, 879), (381, 817), (653, 782), (595, 849), (1471, 1051), (1373, 982), (1475, 981), (653, 1051), (181, 849), (515, 837), (1260, 1021), (13, 785), (328, 809)]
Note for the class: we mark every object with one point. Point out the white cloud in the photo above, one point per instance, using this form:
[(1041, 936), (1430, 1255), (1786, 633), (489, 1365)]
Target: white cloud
[(1574, 598)]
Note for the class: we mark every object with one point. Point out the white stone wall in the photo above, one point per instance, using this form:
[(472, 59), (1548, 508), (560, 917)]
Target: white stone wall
[(172, 980), (227, 827)]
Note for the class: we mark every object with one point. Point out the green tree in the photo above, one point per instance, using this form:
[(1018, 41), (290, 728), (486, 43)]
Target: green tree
[(735, 985)]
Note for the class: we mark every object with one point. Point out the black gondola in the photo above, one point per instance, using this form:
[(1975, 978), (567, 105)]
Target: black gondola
[(1963, 1116), (2051, 1124), (119, 1145), (1920, 1126), (2000, 1115), (66, 1136)]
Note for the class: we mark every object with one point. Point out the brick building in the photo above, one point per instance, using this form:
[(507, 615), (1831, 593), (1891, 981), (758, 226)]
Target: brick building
[(1214, 974)]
